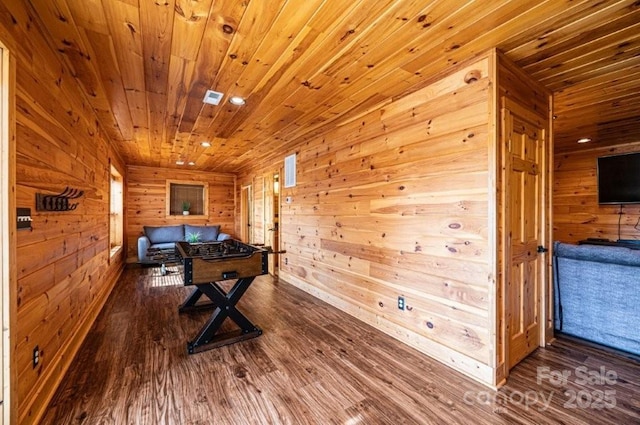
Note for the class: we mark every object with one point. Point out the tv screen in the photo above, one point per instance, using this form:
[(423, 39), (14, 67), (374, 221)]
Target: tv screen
[(619, 179)]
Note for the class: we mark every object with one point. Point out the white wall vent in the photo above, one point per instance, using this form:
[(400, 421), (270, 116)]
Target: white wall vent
[(290, 170), (212, 97)]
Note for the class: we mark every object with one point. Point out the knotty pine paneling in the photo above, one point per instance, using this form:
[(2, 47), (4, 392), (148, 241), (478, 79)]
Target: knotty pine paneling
[(146, 201), (64, 269), (395, 203), (305, 65), (576, 212), (258, 192)]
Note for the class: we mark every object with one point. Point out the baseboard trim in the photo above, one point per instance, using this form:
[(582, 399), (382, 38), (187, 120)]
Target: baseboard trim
[(466, 365), (60, 365)]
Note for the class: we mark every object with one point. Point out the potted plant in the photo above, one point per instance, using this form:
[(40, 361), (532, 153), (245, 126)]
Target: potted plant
[(193, 237), (185, 207)]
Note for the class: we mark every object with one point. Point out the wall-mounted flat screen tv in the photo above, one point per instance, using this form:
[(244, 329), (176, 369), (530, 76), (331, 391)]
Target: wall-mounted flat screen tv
[(619, 179)]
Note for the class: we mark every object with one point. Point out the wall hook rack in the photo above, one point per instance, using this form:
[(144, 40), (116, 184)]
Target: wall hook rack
[(59, 202)]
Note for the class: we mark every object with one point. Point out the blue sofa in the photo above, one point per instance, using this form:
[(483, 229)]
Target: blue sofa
[(597, 294), (167, 236)]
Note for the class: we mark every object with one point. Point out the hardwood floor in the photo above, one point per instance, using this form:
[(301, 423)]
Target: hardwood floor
[(313, 365)]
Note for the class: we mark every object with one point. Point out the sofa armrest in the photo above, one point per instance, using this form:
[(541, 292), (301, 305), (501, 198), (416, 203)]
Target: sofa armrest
[(223, 237), (143, 245)]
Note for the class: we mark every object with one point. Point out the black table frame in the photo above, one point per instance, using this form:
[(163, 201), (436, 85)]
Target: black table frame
[(224, 305)]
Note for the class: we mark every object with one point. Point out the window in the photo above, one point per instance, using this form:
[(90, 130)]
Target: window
[(115, 215), (290, 170), (187, 198)]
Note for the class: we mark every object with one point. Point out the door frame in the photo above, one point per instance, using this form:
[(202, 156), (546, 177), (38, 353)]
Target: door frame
[(271, 228), (544, 287), (275, 219), (8, 230), (246, 213)]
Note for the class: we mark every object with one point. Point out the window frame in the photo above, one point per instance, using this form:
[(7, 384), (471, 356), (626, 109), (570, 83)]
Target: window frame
[(116, 243), (290, 170), (205, 199)]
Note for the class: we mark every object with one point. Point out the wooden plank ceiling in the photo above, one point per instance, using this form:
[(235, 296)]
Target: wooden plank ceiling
[(303, 65)]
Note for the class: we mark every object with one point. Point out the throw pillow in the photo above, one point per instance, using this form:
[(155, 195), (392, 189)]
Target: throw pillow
[(164, 234)]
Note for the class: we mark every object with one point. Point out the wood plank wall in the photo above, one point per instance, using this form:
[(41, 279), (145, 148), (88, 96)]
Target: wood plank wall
[(64, 273), (257, 230), (576, 212), (395, 203), (146, 201)]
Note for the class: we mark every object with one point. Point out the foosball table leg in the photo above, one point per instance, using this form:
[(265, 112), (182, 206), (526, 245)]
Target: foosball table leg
[(190, 303), (225, 307)]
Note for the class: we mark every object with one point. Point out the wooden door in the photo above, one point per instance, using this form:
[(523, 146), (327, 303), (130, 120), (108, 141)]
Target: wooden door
[(524, 153), (275, 237), (245, 214), (267, 199), (271, 207)]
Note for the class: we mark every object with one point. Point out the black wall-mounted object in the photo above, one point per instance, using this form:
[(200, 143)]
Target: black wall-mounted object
[(59, 202), (619, 179), (23, 216)]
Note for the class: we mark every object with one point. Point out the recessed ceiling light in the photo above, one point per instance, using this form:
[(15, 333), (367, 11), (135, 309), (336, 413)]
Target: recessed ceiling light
[(205, 144), (237, 100), (192, 163), (179, 162), (584, 140)]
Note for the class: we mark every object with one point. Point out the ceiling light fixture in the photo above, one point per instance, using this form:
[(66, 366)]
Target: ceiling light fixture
[(192, 163), (205, 144), (178, 162), (584, 140), (237, 100)]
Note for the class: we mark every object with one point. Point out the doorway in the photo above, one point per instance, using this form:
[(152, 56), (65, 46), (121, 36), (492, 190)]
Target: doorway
[(524, 164), (275, 227), (272, 219), (246, 214)]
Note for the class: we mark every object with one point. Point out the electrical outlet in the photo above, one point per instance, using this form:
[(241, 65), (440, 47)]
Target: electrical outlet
[(401, 303), (286, 261), (36, 356)]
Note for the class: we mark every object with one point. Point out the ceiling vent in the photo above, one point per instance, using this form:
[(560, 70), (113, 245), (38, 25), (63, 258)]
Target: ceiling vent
[(213, 97)]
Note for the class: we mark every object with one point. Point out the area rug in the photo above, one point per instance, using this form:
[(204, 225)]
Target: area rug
[(155, 278)]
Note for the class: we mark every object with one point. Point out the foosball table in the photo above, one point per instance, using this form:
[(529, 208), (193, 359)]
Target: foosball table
[(206, 264)]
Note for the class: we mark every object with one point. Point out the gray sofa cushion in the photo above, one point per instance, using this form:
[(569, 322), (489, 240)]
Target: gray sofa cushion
[(207, 233), (597, 294), (163, 245), (164, 234)]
